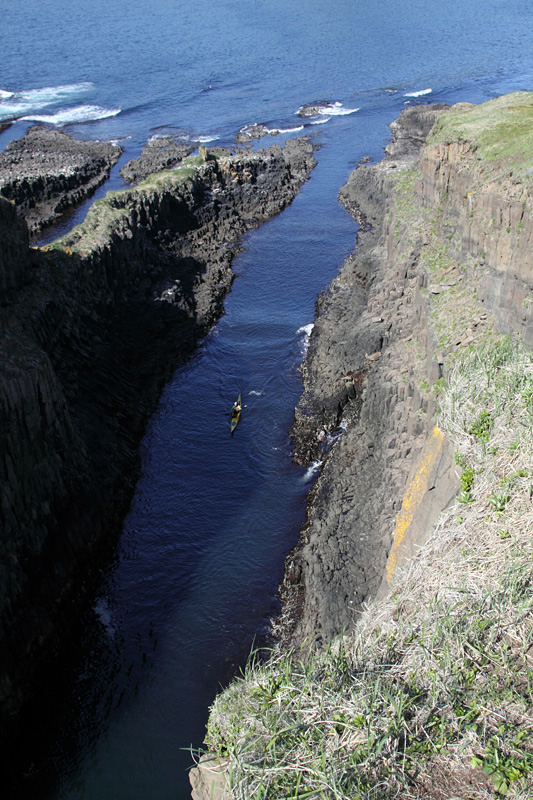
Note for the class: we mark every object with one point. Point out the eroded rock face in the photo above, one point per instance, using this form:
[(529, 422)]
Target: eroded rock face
[(427, 209), (14, 253), (367, 325), (89, 333), (47, 172)]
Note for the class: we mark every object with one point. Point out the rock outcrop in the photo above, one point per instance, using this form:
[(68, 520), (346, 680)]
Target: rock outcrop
[(91, 328), (445, 230), (47, 172), (158, 154)]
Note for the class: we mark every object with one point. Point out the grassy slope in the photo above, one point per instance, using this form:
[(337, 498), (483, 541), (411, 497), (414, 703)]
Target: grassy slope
[(105, 214)]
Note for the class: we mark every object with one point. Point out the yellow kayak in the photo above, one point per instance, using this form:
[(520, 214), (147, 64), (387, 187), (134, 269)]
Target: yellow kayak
[(235, 415)]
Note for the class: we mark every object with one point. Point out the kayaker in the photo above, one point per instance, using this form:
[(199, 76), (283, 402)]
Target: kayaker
[(236, 409)]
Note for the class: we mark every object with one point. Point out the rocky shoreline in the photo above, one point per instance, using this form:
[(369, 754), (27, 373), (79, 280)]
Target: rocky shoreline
[(47, 173), (91, 329)]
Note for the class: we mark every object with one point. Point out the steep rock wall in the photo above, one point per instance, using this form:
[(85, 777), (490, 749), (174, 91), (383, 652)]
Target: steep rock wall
[(444, 255), (371, 336), (91, 329), (488, 224)]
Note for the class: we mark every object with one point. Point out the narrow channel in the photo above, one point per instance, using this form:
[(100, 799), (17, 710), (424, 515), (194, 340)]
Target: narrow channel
[(195, 578)]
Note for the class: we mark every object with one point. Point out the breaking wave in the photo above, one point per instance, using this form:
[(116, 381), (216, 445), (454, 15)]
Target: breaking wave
[(312, 470), (275, 131), (325, 110), (419, 93), (15, 105), (70, 116), (305, 333)]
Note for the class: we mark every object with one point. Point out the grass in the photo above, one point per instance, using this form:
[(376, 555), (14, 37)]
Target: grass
[(437, 680), (500, 131), (107, 213)]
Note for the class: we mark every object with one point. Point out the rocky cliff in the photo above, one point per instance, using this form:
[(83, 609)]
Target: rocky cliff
[(91, 328), (417, 401), (364, 411), (445, 240)]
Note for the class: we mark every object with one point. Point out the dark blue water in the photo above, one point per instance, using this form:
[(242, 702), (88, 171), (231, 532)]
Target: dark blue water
[(195, 576)]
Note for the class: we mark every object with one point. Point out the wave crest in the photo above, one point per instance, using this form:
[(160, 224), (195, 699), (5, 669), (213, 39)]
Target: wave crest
[(70, 116)]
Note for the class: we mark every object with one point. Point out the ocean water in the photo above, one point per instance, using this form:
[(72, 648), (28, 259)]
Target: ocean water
[(194, 580)]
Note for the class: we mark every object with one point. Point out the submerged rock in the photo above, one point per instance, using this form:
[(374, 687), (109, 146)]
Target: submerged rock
[(314, 109), (255, 131)]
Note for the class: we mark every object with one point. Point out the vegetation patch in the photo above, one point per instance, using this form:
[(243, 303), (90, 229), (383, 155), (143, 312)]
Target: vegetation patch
[(500, 131)]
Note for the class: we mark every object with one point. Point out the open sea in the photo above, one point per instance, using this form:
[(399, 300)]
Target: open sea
[(194, 580)]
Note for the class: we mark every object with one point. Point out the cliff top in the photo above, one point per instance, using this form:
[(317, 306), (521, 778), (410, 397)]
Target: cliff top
[(500, 131)]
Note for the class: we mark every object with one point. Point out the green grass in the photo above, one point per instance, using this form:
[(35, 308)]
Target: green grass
[(500, 131), (105, 214)]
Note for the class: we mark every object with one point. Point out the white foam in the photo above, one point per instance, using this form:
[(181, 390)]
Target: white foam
[(305, 332), (275, 131), (320, 121), (69, 116), (258, 394), (117, 142), (103, 613), (336, 110), (328, 110), (418, 94), (332, 437), (312, 470), (184, 137), (19, 104)]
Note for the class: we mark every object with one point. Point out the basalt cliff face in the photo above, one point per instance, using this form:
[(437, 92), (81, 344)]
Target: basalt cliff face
[(413, 569), (363, 412), (443, 256), (91, 329)]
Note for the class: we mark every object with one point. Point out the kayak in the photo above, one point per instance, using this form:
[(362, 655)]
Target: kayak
[(235, 417)]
